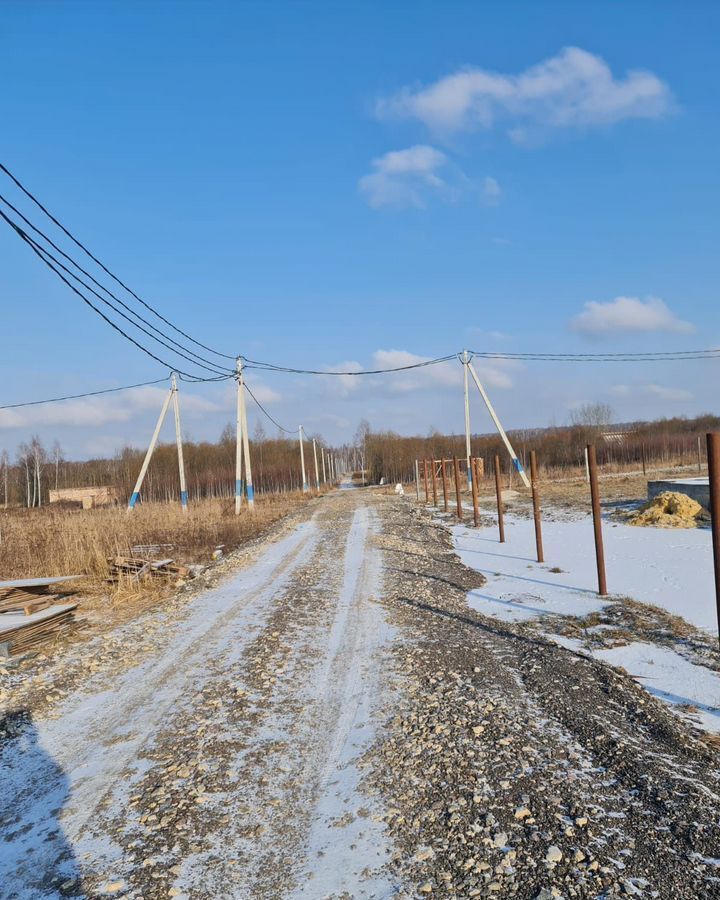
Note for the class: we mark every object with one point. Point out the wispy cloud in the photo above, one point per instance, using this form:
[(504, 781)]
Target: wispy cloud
[(410, 177), (670, 394), (406, 178), (100, 411), (491, 191), (496, 374), (628, 314), (573, 89)]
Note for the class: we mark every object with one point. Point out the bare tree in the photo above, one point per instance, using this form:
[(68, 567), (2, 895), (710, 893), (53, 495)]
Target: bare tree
[(5, 463), (39, 458), (24, 461), (58, 457), (592, 415)]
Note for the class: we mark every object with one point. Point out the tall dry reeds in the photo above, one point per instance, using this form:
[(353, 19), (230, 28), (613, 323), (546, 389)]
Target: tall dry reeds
[(36, 543)]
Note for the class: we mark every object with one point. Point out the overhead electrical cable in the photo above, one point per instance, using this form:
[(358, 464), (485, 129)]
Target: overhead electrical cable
[(102, 287), (656, 356), (102, 315), (262, 409), (105, 269), (270, 367), (126, 387), (52, 262)]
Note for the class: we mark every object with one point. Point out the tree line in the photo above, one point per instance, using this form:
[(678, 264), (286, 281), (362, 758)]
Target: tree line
[(209, 469), (662, 442)]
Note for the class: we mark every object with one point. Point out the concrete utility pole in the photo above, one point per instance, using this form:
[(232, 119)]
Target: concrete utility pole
[(302, 459), (178, 439), (467, 418), (322, 457), (249, 490), (148, 456), (317, 470), (501, 431), (238, 440)]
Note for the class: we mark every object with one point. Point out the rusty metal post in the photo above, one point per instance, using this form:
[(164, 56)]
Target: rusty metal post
[(642, 451), (699, 456), (536, 506), (444, 484), (425, 479), (713, 461), (597, 521), (498, 493), (434, 481), (474, 487), (458, 495)]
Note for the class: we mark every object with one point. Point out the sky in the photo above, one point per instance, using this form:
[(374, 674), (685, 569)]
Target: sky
[(362, 185)]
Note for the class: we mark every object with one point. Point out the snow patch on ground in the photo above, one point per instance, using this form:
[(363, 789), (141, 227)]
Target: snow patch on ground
[(670, 569)]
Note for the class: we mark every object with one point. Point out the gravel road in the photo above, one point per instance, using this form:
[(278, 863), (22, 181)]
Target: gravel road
[(328, 718)]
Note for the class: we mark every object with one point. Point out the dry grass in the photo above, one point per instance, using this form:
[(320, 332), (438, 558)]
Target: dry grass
[(47, 542)]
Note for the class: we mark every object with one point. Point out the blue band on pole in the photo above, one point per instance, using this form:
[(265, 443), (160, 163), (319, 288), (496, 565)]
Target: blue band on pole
[(183, 498), (251, 493), (238, 487), (133, 499), (516, 463)]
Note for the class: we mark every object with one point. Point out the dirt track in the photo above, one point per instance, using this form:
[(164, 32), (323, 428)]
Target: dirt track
[(332, 720)]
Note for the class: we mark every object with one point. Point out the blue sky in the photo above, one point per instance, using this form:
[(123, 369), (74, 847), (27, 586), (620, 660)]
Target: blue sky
[(325, 185)]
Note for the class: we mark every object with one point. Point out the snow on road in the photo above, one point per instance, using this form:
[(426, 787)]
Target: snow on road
[(90, 796)]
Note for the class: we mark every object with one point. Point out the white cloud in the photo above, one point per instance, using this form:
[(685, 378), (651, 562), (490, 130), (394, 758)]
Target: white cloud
[(671, 394), (572, 89), (493, 374), (344, 384), (628, 314), (491, 191), (95, 412), (265, 394), (406, 177)]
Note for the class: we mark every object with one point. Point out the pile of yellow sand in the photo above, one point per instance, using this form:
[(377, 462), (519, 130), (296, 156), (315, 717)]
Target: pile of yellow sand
[(670, 510)]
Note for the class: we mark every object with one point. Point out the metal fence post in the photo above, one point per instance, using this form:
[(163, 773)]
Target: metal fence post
[(498, 494), (458, 495), (434, 481), (536, 506), (713, 460), (597, 521), (474, 487), (444, 484)]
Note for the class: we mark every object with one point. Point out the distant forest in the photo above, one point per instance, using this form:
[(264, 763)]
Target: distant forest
[(210, 467)]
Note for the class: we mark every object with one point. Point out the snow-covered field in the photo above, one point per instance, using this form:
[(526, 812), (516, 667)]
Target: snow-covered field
[(668, 568)]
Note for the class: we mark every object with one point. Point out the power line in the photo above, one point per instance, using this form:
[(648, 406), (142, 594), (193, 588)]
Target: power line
[(45, 256), (270, 367), (658, 356), (262, 409), (102, 315), (127, 387), (98, 283), (104, 267)]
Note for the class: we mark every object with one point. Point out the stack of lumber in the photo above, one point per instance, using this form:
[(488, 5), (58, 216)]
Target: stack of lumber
[(20, 633), (31, 613), (136, 567), (30, 595)]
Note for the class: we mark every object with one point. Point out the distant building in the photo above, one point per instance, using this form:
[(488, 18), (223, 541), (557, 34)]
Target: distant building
[(614, 437), (87, 497)]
